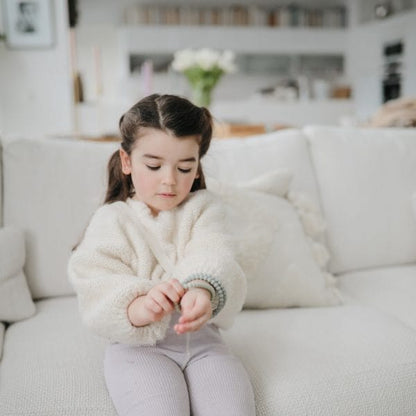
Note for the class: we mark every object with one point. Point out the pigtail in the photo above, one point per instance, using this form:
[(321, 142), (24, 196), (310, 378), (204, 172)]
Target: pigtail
[(206, 131), (205, 128), (119, 185)]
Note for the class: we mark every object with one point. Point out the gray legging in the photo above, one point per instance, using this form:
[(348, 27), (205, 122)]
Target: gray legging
[(193, 374)]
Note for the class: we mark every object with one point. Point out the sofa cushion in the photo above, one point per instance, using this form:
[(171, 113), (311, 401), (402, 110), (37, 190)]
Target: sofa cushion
[(282, 257), (344, 361), (241, 159), (15, 299), (366, 178), (64, 182), (51, 189), (52, 366), (390, 289)]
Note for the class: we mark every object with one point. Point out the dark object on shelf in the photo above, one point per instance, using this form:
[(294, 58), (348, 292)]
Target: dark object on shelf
[(73, 12), (78, 88), (393, 67)]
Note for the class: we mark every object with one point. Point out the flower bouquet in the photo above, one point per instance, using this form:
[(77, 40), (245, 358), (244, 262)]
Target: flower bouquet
[(203, 69)]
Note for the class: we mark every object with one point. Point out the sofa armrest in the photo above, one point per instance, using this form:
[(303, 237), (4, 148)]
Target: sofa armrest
[(15, 299)]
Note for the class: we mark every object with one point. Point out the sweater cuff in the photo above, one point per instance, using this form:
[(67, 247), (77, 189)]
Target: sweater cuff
[(113, 322), (221, 294)]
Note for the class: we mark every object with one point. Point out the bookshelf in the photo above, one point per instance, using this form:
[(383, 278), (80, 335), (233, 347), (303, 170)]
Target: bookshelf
[(280, 15)]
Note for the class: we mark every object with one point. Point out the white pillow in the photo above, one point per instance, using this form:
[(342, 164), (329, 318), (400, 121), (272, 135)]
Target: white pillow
[(15, 299), (277, 236)]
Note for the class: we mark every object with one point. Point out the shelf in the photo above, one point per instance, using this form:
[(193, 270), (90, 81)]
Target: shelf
[(262, 40), (295, 113)]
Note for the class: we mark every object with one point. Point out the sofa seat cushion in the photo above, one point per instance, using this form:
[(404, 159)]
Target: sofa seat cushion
[(344, 361), (390, 289), (52, 366), (348, 360)]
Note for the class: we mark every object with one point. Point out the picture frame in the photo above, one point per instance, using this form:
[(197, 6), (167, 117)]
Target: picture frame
[(28, 24)]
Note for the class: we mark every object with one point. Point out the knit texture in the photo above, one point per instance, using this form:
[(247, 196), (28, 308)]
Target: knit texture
[(113, 264)]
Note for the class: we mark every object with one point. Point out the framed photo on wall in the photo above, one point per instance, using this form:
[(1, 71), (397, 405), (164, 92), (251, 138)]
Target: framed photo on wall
[(28, 23)]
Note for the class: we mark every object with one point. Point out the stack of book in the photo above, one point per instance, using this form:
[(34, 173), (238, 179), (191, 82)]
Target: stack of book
[(237, 15)]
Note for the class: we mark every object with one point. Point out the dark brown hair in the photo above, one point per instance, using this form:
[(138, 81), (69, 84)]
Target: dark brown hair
[(170, 113)]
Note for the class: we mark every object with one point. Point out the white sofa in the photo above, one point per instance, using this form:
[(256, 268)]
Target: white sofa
[(357, 358)]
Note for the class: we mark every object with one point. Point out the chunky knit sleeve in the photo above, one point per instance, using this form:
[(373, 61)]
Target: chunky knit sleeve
[(210, 252), (101, 272)]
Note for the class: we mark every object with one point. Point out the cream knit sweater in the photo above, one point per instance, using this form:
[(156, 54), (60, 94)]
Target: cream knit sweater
[(113, 264)]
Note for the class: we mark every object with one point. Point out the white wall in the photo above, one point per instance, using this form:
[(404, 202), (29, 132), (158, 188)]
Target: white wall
[(36, 85)]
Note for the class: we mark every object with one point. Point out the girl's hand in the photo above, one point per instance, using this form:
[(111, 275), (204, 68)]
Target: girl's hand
[(157, 303), (196, 310)]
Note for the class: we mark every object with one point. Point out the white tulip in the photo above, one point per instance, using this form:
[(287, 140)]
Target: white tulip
[(183, 60), (226, 62), (207, 58)]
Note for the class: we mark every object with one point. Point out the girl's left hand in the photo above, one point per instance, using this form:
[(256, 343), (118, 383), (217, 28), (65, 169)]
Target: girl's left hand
[(196, 310)]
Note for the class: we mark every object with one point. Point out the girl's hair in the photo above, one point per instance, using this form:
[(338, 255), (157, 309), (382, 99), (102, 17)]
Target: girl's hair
[(170, 113)]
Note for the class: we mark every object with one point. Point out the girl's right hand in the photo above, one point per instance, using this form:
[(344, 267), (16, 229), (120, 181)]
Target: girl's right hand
[(157, 303)]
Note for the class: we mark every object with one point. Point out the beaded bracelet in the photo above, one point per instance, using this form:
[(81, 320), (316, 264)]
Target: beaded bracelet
[(219, 300), (201, 284)]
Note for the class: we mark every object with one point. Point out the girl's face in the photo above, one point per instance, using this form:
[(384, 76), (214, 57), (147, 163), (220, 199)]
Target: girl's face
[(162, 168)]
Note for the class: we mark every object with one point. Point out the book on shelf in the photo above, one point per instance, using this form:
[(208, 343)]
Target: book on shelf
[(235, 15)]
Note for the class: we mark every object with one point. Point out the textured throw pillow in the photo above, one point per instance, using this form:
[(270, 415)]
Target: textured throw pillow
[(15, 299), (278, 237)]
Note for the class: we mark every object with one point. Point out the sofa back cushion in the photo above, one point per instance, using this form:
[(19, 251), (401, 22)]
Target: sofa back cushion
[(53, 186), (51, 189), (366, 178), (239, 160), (15, 298)]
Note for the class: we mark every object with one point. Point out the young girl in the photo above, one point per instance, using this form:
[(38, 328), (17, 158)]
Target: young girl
[(156, 275)]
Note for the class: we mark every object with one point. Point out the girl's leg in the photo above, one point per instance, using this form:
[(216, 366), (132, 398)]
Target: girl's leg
[(219, 385), (142, 382)]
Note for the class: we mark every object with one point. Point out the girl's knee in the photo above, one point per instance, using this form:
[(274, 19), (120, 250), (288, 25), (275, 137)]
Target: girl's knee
[(220, 386)]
